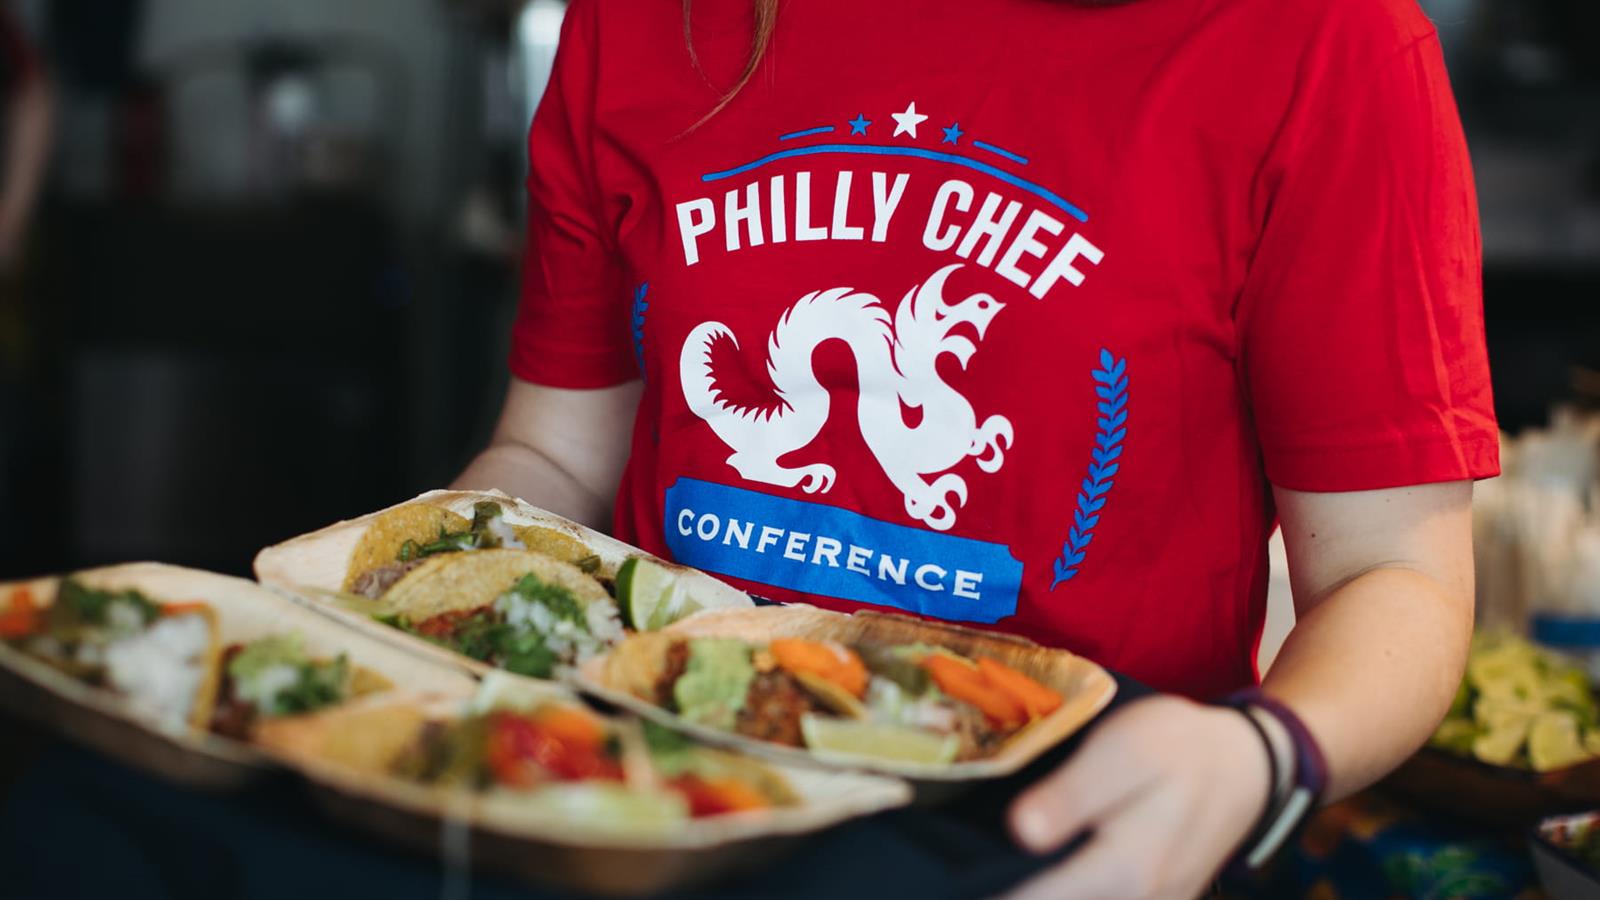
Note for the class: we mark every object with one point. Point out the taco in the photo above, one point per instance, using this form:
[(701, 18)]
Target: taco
[(554, 756), (402, 539), (273, 676), (161, 658), (912, 703), (474, 586), (517, 610)]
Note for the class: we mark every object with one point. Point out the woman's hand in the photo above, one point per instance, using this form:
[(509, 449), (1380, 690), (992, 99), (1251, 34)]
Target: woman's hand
[(1169, 789)]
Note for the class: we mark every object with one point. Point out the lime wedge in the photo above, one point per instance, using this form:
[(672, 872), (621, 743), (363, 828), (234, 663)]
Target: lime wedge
[(846, 740), (651, 596), (1499, 742), (1554, 742)]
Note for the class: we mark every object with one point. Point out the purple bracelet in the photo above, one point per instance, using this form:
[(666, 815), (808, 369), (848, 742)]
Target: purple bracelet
[(1285, 814)]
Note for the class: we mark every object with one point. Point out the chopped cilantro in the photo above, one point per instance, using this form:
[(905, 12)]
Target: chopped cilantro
[(257, 675), (77, 603), (393, 620), (527, 655), (478, 535), (320, 684), (484, 512), (477, 635), (663, 740), (486, 638), (556, 598)]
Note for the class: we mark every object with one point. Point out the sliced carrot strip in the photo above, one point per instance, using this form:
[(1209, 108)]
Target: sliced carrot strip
[(830, 662), (1037, 699), (717, 796), (21, 616), (183, 607), (966, 683), (571, 725)]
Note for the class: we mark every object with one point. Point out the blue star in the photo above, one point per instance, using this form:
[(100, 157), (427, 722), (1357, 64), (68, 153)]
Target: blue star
[(952, 135), (859, 124)]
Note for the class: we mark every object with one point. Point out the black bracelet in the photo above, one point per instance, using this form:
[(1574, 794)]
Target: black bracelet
[(1264, 818), (1302, 789)]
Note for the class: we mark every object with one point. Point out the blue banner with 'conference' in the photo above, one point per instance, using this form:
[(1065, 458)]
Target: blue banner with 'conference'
[(834, 552)]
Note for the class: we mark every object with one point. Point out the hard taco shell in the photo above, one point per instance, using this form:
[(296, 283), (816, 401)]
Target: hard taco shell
[(321, 563), (380, 544), (469, 580)]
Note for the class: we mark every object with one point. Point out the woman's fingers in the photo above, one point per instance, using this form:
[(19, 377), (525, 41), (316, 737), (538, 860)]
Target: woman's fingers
[(1072, 798), (1113, 864), (1166, 789)]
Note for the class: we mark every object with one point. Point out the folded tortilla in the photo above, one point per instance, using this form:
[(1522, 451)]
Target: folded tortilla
[(473, 579), (422, 523)]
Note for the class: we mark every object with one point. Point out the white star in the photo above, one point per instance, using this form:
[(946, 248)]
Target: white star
[(907, 122)]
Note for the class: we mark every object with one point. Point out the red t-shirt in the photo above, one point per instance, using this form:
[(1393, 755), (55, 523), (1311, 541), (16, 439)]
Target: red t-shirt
[(1008, 312)]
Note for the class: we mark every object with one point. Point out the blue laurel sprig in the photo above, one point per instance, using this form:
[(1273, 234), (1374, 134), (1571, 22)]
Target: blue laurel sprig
[(639, 307), (1111, 386)]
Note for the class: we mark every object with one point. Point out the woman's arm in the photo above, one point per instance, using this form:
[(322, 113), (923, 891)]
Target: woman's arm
[(1383, 583), (1383, 591), (559, 449)]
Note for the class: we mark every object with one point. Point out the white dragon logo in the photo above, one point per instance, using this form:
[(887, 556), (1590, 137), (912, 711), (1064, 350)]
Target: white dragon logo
[(895, 366)]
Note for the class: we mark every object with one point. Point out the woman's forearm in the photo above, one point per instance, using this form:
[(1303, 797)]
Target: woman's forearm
[(560, 449), (523, 472), (1372, 668)]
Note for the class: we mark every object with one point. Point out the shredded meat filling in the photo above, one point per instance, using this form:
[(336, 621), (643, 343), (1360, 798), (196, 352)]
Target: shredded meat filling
[(231, 716), (773, 707), (373, 583), (677, 663), (978, 738)]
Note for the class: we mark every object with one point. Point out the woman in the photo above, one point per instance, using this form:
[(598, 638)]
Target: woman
[(1037, 315)]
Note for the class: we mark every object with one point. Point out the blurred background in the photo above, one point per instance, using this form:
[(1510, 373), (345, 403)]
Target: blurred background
[(258, 257)]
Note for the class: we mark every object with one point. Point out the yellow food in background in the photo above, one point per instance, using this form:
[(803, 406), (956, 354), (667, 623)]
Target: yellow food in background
[(1522, 706)]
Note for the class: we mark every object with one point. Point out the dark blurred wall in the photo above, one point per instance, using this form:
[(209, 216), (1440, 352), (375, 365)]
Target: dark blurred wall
[(249, 307)]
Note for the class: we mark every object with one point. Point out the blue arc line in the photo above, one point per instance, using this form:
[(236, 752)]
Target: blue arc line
[(1000, 151), (824, 129), (917, 152)]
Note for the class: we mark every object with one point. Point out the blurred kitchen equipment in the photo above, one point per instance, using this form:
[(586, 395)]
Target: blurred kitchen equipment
[(1536, 534), (320, 110)]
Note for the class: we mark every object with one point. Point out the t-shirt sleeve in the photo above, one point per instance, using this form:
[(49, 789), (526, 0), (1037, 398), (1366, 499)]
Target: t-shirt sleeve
[(1361, 320), (571, 328)]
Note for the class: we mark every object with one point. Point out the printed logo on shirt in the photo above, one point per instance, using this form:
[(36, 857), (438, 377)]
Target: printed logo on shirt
[(999, 220), (752, 217), (896, 365), (834, 552)]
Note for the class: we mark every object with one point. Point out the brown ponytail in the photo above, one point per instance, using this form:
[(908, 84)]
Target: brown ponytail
[(766, 16)]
